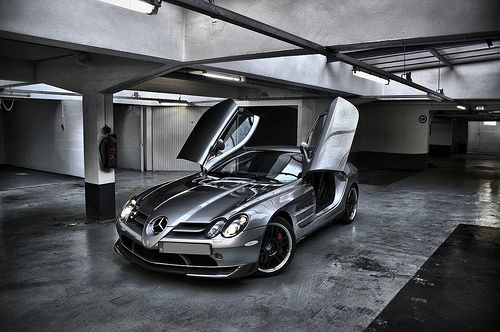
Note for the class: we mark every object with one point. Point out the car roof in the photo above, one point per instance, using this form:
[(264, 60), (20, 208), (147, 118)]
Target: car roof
[(282, 148)]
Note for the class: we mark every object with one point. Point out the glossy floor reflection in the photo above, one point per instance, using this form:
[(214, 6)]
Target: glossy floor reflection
[(59, 271)]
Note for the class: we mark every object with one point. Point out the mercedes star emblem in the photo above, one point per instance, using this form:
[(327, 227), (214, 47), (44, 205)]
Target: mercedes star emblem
[(159, 224)]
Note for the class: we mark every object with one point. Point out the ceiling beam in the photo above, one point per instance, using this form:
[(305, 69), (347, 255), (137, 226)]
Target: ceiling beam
[(422, 42), (170, 68), (216, 12), (440, 57), (246, 22)]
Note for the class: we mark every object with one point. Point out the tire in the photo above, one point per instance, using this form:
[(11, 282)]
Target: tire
[(351, 206), (277, 248)]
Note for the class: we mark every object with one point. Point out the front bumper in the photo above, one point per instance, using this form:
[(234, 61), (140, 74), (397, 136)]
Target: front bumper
[(230, 258), (229, 272)]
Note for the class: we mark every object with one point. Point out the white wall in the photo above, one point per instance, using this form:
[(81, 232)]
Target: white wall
[(308, 113), (382, 127), (469, 81), (127, 122), (392, 128), (95, 25), (34, 137)]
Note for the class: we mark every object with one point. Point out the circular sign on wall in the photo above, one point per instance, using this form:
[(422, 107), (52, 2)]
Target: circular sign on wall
[(422, 118)]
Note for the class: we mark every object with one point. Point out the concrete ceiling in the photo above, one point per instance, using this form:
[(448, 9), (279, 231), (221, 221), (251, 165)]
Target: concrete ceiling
[(31, 31), (29, 51), (425, 57)]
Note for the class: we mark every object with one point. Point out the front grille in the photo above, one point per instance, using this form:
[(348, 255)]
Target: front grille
[(140, 217), (154, 256), (191, 227), (157, 257), (137, 221), (200, 260)]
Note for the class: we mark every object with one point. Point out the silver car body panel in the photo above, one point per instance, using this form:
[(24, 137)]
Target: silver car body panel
[(198, 200), (192, 204), (331, 138)]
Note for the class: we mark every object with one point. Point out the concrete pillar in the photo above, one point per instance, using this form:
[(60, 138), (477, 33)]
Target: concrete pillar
[(99, 181)]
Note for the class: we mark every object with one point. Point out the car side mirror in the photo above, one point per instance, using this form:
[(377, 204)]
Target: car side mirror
[(220, 145), (303, 148)]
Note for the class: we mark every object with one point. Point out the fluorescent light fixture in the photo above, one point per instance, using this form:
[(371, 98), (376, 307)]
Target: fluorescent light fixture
[(224, 77), (173, 103), (143, 6), (489, 123), (13, 94), (461, 107), (161, 101), (434, 96), (219, 76), (371, 77)]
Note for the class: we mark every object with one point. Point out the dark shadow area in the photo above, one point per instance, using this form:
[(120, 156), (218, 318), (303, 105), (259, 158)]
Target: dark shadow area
[(457, 288), (385, 160), (324, 187), (382, 176), (277, 126)]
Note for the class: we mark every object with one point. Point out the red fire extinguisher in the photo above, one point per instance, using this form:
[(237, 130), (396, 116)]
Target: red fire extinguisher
[(108, 149)]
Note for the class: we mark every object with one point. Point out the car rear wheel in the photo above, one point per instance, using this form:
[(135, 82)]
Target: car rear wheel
[(277, 248), (351, 206)]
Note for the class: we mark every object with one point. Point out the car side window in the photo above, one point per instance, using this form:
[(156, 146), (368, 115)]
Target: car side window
[(314, 135), (239, 129)]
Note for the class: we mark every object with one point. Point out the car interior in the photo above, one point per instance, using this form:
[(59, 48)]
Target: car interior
[(324, 187)]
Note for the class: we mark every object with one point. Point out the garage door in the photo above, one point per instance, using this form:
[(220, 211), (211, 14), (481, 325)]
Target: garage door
[(170, 128)]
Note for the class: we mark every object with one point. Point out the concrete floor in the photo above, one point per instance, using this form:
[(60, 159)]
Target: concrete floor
[(455, 290), (59, 271)]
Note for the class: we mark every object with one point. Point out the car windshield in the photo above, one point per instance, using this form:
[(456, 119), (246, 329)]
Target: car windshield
[(275, 166)]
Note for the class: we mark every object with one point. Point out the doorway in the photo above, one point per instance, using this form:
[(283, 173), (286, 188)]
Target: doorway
[(277, 125), (484, 137)]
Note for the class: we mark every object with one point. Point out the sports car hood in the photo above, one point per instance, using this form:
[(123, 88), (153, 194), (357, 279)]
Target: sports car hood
[(199, 199)]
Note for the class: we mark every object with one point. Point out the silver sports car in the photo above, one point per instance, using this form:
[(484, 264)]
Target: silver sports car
[(247, 208)]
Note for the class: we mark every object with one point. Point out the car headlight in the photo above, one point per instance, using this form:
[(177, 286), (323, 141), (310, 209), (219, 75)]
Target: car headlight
[(216, 228), (128, 209), (235, 225)]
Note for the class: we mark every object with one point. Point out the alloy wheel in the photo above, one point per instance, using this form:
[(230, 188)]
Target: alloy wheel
[(276, 248), (352, 203)]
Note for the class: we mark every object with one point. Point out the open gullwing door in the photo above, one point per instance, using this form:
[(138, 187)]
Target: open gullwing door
[(221, 130), (329, 142)]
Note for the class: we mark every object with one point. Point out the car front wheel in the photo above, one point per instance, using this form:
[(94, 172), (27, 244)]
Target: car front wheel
[(351, 206), (277, 248)]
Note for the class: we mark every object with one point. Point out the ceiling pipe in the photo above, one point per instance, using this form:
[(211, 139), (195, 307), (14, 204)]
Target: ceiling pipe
[(440, 57), (246, 22)]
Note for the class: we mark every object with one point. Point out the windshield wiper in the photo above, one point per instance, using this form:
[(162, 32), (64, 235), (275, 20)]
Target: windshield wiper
[(218, 173), (243, 175), (231, 175), (267, 178)]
